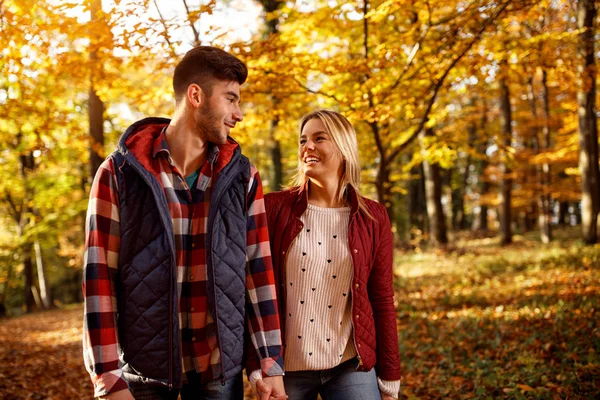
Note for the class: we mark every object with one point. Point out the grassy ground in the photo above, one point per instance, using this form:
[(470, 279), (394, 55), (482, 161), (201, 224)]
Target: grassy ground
[(477, 321), (488, 322)]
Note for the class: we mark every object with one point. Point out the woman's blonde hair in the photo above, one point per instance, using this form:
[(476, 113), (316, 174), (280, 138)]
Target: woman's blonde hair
[(343, 135)]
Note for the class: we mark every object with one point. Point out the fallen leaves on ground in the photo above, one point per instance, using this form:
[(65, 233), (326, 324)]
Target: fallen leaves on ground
[(519, 322), (41, 357), (484, 322)]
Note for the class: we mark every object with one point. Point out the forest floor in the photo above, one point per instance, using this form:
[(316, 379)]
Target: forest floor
[(482, 321), (475, 321)]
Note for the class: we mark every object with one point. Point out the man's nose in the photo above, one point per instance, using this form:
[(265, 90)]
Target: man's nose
[(238, 115)]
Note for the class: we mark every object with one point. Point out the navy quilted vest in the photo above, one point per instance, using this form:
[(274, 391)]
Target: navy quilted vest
[(146, 286)]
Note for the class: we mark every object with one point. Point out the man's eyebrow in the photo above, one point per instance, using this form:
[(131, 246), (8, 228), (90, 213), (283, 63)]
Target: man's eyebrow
[(234, 94)]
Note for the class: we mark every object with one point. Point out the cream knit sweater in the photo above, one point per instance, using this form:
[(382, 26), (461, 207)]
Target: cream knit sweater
[(318, 277), (319, 273)]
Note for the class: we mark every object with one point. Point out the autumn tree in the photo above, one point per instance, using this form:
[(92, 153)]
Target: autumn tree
[(38, 123), (588, 129), (95, 104)]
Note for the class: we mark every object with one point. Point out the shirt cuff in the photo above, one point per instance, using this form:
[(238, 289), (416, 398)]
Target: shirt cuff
[(270, 367), (109, 382), (391, 388), (255, 376)]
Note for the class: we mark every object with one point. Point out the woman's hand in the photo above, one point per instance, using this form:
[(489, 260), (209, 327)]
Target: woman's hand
[(386, 397)]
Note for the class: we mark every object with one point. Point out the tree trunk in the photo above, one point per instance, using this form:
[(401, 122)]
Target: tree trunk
[(5, 290), (506, 180), (433, 194), (271, 6), (545, 200), (416, 199), (457, 197), (563, 213), (588, 130), (484, 186), (45, 293), (28, 274), (382, 186), (95, 104), (27, 166), (540, 145), (459, 220), (276, 153)]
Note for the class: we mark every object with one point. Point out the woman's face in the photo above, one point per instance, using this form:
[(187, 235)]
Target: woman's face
[(317, 153)]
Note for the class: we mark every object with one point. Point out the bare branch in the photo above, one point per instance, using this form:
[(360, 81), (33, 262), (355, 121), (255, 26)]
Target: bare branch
[(166, 31), (331, 96), (196, 33)]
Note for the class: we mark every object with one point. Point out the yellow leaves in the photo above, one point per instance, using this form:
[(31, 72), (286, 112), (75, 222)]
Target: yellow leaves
[(525, 388), (572, 171), (383, 11)]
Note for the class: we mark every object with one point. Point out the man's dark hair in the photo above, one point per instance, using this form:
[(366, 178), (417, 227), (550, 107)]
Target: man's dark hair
[(203, 65)]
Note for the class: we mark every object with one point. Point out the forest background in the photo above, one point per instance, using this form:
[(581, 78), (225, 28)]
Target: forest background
[(477, 129)]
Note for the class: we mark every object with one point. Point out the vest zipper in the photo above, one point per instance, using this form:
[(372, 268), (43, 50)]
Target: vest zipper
[(212, 265)]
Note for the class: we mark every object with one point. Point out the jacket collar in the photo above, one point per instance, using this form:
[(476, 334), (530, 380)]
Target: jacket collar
[(139, 141), (301, 203)]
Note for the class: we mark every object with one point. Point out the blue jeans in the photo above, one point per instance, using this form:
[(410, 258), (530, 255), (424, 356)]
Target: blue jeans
[(213, 390), (343, 382)]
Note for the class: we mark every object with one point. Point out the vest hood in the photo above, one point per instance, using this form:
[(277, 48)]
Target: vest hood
[(138, 141)]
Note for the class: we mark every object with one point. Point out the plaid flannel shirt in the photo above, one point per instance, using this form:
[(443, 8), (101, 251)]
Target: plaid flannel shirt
[(189, 211)]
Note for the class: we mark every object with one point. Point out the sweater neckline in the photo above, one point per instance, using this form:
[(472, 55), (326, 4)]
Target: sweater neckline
[(329, 210)]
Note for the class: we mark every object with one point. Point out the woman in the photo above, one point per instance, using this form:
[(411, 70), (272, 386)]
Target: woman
[(332, 256)]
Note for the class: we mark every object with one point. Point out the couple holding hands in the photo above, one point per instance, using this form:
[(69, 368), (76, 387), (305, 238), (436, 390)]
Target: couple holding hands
[(192, 275)]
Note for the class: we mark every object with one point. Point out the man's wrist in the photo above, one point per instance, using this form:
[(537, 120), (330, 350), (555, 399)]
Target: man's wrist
[(271, 367)]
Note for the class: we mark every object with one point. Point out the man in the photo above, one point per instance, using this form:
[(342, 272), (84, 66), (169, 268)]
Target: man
[(178, 268)]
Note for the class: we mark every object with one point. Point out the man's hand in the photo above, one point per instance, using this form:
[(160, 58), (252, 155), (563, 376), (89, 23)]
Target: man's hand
[(270, 388), (120, 395), (386, 397)]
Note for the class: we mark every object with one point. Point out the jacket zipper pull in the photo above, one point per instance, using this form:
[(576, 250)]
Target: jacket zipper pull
[(360, 362)]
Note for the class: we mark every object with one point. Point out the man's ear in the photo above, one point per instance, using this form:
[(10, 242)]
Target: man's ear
[(195, 95)]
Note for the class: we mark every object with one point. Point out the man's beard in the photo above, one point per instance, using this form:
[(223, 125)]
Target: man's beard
[(209, 124)]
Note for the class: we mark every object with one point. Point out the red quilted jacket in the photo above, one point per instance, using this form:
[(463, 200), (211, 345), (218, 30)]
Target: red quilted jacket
[(371, 246)]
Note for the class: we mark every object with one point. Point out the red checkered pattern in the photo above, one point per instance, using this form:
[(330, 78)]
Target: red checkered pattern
[(189, 211)]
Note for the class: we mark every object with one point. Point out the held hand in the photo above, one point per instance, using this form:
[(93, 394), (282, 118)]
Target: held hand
[(386, 397), (278, 390), (270, 388), (120, 395), (263, 390)]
